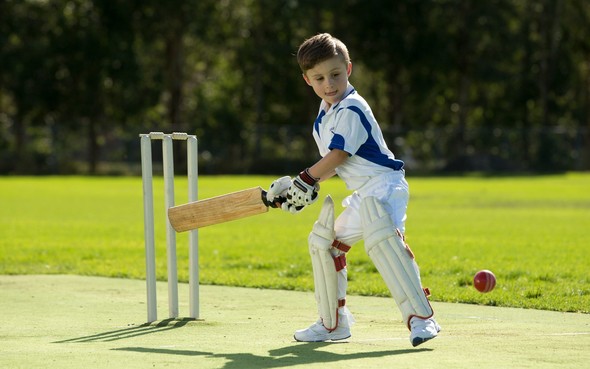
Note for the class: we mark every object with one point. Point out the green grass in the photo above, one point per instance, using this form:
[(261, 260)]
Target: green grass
[(532, 232)]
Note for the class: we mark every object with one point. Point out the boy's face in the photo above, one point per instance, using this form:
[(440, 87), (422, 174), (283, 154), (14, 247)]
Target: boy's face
[(329, 79)]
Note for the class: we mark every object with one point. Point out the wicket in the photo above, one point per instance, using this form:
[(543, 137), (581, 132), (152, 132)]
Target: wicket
[(148, 205)]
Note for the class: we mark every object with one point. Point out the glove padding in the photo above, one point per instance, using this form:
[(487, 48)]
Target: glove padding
[(291, 208), (303, 190), (277, 194)]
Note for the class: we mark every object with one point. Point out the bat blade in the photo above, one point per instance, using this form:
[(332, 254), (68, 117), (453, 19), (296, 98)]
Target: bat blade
[(218, 209)]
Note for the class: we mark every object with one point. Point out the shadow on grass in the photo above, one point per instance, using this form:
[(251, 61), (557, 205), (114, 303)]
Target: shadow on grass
[(297, 354), (147, 328)]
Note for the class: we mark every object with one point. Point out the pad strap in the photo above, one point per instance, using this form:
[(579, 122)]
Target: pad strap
[(340, 262), (341, 303), (341, 246)]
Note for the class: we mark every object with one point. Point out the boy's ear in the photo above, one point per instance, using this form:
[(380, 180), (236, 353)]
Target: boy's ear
[(306, 79), (349, 69)]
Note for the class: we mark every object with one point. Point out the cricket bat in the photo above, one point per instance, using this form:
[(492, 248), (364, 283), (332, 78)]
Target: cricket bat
[(219, 209)]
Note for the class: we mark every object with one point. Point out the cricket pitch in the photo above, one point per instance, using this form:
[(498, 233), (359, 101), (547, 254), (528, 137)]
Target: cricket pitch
[(75, 322)]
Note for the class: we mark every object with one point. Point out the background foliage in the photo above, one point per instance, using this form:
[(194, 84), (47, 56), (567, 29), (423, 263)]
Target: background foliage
[(456, 84)]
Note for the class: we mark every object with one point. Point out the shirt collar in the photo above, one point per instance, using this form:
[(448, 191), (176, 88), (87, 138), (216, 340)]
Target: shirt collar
[(324, 106)]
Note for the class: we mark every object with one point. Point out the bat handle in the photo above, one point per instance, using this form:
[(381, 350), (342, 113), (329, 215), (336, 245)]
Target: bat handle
[(272, 204)]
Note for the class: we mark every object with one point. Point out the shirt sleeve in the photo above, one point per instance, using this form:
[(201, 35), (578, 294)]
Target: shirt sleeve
[(349, 132)]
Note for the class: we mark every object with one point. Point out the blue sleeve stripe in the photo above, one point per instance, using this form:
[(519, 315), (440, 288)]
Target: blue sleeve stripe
[(338, 143)]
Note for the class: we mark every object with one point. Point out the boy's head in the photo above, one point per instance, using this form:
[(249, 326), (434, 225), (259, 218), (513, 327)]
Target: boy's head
[(326, 66), (319, 48)]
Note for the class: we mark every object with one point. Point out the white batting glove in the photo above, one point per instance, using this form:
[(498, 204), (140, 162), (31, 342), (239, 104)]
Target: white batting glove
[(278, 189), (303, 190), (277, 193), (291, 208)]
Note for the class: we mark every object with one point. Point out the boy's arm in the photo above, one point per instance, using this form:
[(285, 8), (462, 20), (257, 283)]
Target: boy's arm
[(326, 167), (302, 190)]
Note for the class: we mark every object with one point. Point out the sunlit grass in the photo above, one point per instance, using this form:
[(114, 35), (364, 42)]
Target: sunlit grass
[(531, 232)]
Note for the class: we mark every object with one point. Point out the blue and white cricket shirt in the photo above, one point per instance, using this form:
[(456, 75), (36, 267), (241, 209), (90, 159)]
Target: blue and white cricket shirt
[(350, 126)]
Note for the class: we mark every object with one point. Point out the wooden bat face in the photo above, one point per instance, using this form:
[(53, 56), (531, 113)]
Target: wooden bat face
[(219, 209)]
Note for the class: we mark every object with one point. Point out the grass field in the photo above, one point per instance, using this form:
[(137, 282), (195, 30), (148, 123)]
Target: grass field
[(531, 231)]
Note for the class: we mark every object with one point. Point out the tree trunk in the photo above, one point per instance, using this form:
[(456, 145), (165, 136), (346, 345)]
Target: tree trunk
[(525, 93), (550, 39), (92, 147), (174, 69)]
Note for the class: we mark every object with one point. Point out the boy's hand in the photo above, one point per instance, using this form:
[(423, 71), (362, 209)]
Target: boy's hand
[(277, 193), (303, 190), (278, 189), (291, 208)]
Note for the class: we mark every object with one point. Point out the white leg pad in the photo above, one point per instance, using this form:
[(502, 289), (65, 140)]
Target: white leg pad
[(324, 271), (394, 260)]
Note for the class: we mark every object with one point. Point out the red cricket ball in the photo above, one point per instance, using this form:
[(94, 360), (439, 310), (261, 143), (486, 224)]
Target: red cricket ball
[(484, 281)]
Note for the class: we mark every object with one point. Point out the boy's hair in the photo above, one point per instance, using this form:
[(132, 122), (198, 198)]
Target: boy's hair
[(319, 48)]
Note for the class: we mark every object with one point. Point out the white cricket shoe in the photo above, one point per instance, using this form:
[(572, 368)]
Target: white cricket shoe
[(423, 330), (318, 333)]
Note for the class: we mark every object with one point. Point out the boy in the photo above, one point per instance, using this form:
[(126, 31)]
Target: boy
[(352, 146)]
